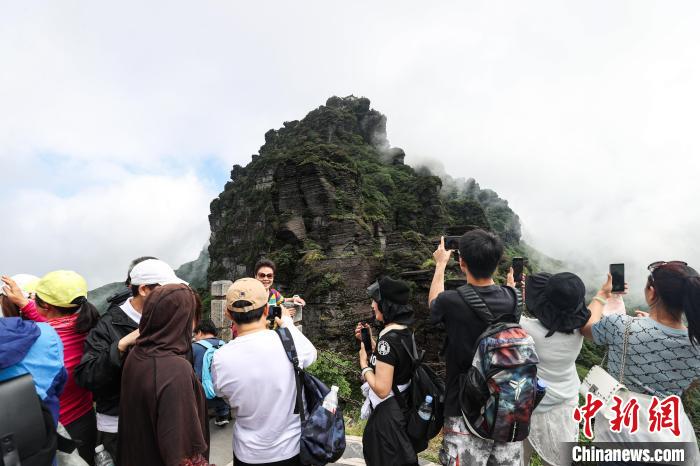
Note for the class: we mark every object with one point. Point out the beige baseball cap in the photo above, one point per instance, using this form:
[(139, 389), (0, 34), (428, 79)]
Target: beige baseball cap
[(246, 289)]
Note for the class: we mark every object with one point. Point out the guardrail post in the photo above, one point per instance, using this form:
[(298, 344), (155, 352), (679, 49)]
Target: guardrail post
[(218, 308)]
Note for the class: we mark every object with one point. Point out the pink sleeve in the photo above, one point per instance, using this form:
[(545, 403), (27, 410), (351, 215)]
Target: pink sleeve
[(29, 311)]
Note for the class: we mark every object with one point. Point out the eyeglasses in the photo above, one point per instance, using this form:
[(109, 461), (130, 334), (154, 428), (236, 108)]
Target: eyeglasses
[(266, 275)]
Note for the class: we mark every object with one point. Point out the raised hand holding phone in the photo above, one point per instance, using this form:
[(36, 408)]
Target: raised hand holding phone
[(518, 266), (366, 339), (441, 254)]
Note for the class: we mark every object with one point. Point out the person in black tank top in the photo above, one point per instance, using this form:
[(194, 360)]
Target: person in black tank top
[(387, 370)]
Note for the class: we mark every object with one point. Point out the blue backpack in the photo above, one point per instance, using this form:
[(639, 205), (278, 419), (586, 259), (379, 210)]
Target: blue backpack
[(207, 383), (322, 432)]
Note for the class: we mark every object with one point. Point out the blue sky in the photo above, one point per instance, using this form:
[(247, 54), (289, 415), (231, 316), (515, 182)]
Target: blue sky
[(119, 122)]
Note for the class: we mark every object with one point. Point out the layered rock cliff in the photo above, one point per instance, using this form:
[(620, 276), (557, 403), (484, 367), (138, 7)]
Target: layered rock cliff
[(335, 206)]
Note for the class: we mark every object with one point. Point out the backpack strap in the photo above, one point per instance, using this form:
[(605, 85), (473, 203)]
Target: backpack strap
[(476, 303), (416, 359), (208, 345), (65, 445), (291, 351), (518, 309), (481, 309), (205, 344)]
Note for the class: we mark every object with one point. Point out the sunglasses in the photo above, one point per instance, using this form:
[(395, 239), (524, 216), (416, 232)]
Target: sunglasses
[(266, 275), (655, 265)]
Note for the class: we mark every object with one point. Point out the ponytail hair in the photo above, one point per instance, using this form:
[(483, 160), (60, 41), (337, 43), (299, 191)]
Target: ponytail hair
[(691, 308), (677, 286), (87, 313)]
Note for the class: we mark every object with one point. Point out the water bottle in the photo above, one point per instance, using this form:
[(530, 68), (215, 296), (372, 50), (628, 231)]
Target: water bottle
[(102, 456), (330, 402), (540, 391), (425, 411)]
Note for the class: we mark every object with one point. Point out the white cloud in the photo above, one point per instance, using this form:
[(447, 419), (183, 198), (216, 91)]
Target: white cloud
[(581, 114), (99, 230)]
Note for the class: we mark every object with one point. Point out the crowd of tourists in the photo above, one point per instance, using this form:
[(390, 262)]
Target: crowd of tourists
[(138, 383)]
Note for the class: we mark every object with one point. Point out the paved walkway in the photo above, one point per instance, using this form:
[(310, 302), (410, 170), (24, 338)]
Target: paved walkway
[(221, 448)]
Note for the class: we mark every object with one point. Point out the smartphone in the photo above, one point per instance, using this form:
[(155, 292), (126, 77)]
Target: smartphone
[(366, 339), (452, 242), (275, 311), (618, 277), (518, 267)]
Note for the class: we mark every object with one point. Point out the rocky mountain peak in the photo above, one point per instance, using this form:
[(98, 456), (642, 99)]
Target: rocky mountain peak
[(335, 206)]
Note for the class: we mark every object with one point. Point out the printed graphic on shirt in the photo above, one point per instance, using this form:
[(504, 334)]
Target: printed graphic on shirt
[(383, 348)]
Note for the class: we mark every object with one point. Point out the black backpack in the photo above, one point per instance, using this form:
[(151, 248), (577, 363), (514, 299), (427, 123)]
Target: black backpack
[(499, 391), (424, 381), (27, 429), (322, 432)]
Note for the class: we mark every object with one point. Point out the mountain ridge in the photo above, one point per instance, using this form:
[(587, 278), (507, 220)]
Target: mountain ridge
[(334, 205)]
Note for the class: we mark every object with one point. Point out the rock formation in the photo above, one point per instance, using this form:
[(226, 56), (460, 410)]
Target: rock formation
[(335, 206)]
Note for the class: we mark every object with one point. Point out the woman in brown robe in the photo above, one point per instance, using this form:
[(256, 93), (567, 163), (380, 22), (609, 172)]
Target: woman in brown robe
[(163, 417)]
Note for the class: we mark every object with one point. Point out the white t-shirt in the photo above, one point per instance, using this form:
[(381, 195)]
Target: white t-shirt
[(105, 422), (557, 367), (253, 373)]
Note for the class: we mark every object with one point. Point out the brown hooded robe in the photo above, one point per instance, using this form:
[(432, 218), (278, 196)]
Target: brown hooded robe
[(163, 417)]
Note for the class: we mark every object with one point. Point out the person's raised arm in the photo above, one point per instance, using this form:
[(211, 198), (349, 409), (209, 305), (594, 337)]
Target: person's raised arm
[(596, 306), (30, 312), (14, 292), (442, 257), (26, 306)]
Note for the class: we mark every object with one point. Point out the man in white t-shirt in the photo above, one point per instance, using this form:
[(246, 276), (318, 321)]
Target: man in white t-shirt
[(253, 373), (108, 342)]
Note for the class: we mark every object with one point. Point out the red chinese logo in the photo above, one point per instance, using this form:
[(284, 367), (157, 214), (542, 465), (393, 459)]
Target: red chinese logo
[(664, 415), (587, 412), (627, 416)]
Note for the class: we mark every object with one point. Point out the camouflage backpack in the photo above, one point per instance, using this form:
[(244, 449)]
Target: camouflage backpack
[(497, 394)]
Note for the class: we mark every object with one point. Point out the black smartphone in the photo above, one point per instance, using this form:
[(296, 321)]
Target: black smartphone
[(518, 267), (275, 311), (618, 277), (452, 242), (366, 339)]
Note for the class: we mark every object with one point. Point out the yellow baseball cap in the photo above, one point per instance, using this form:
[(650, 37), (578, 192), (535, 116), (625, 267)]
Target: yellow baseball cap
[(246, 289), (61, 287)]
